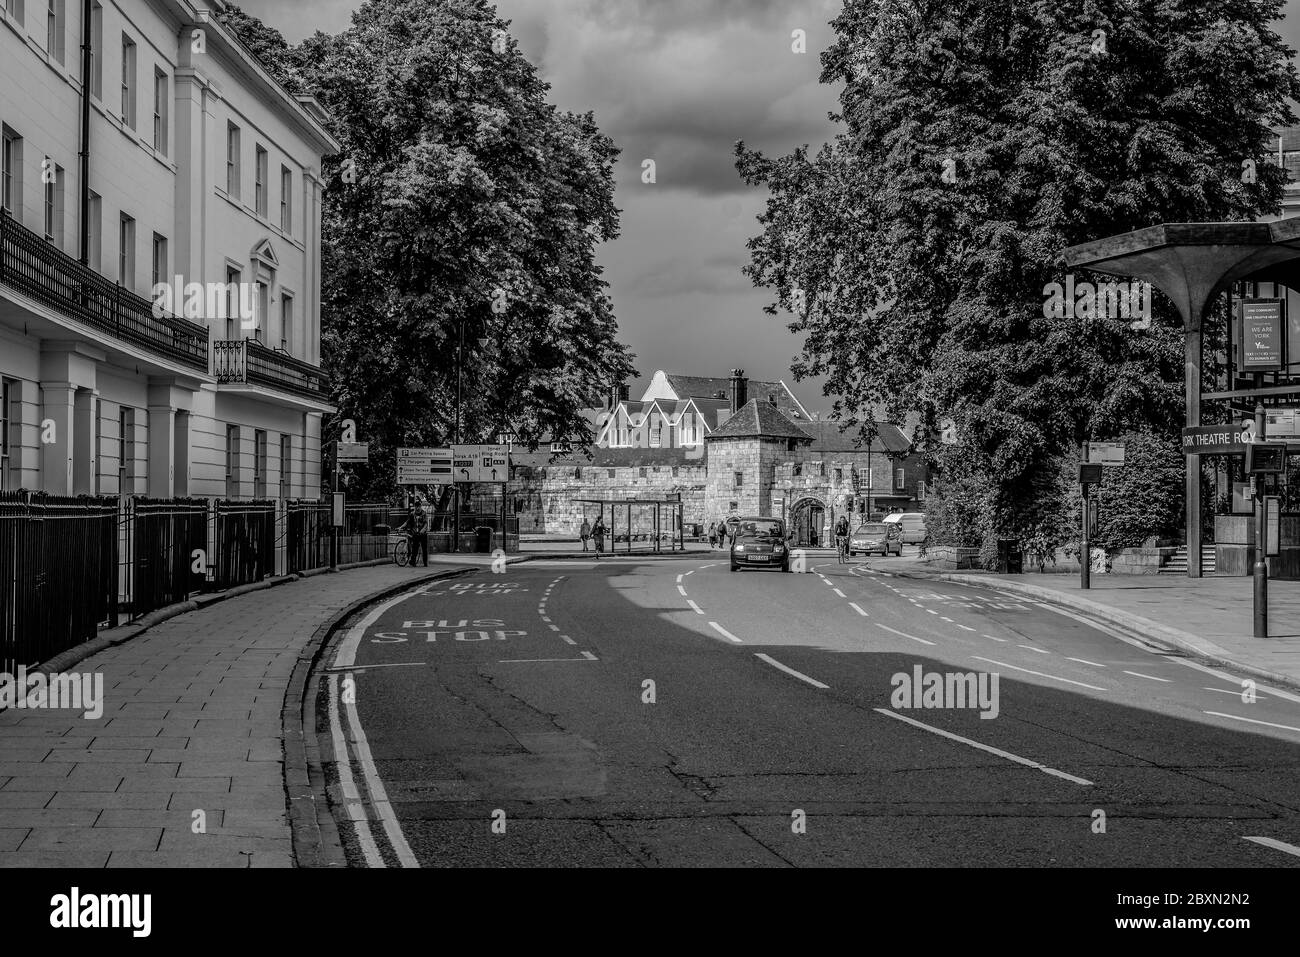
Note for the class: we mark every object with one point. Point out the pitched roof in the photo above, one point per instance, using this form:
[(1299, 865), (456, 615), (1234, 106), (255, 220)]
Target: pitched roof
[(827, 437), (706, 387), (759, 419)]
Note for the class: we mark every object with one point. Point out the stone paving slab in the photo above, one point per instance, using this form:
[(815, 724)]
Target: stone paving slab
[(191, 721)]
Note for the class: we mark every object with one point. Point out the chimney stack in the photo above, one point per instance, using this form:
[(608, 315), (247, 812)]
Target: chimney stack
[(739, 387)]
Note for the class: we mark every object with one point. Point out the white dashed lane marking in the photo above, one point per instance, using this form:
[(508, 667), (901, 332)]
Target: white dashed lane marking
[(1085, 661), (858, 608), (724, 633), (790, 671), (1138, 674), (1040, 674), (698, 609)]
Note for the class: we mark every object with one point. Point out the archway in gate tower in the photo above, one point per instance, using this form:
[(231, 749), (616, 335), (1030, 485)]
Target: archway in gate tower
[(807, 521)]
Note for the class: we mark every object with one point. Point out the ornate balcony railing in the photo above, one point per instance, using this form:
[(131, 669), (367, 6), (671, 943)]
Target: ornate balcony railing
[(248, 361), (45, 273)]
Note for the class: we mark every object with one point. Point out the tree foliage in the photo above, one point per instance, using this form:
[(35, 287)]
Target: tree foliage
[(462, 206), (1058, 122)]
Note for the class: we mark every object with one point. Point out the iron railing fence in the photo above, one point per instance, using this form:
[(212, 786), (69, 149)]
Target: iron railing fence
[(162, 541), (243, 538), (50, 276), (57, 573), (247, 360)]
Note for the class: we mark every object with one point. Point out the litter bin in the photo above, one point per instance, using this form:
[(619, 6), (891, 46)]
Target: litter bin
[(482, 539), (1010, 557)]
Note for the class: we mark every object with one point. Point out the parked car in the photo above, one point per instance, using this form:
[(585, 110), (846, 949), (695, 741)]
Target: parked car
[(912, 525), (760, 543), (877, 537)]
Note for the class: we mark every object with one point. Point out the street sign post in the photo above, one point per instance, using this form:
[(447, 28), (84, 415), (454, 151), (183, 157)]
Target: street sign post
[(352, 451), (1106, 453), (424, 466)]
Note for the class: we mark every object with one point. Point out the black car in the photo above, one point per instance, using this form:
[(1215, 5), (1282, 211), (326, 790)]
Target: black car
[(760, 543)]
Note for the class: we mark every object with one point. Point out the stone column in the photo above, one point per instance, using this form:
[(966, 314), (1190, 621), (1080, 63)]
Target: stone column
[(58, 404)]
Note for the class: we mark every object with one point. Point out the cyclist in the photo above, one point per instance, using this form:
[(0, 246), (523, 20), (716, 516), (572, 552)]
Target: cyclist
[(842, 539)]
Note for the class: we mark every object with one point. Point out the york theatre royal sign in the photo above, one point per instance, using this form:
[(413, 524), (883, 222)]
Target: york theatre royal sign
[(1217, 439)]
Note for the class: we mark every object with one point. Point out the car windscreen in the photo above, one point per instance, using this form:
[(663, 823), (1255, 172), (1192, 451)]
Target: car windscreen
[(759, 529), (878, 528)]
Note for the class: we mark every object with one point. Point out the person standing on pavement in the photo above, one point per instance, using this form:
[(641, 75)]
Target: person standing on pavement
[(713, 535), (722, 535), (584, 533), (420, 533), (598, 533)]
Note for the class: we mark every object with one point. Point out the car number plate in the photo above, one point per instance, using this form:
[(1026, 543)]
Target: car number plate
[(760, 558)]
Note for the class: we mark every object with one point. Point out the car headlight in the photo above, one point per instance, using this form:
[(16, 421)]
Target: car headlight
[(778, 547), (738, 548)]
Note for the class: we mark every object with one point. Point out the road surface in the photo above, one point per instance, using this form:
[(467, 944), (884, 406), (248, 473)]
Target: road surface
[(672, 713)]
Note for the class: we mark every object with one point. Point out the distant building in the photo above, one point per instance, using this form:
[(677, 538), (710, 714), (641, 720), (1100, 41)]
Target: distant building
[(755, 450), (198, 165)]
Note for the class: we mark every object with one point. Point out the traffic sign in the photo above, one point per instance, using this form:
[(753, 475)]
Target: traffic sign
[(1106, 453), (352, 451), (480, 463), (424, 466)]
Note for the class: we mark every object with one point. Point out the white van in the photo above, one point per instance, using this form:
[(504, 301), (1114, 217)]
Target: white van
[(911, 524)]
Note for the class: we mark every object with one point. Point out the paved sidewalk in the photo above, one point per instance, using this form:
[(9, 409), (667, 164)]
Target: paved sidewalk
[(1209, 617), (191, 732)]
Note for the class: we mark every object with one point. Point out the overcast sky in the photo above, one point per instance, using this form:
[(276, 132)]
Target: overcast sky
[(677, 81)]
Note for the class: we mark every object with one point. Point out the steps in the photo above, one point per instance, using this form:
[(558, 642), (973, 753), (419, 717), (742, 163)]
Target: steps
[(1177, 564)]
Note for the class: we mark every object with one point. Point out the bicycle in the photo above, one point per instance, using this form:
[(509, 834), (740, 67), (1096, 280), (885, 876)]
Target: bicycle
[(401, 549), (842, 548)]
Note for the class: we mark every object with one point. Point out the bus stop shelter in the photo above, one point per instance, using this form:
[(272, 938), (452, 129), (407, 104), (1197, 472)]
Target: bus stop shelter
[(665, 521), (1193, 264)]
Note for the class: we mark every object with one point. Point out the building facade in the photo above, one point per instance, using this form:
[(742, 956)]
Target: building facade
[(707, 442), (169, 157)]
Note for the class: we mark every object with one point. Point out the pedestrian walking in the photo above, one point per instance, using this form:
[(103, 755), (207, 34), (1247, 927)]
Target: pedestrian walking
[(713, 535), (722, 535), (598, 533), (584, 533)]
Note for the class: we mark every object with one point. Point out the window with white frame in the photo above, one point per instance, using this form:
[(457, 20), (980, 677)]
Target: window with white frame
[(97, 51), (95, 219), (11, 172), (52, 177), (126, 251), (126, 451), (8, 392), (232, 461), (232, 301), (286, 200), (158, 262), (232, 160), (15, 9), (160, 111), (54, 29), (128, 81), (259, 181), (286, 465), (900, 478), (286, 322), (259, 463)]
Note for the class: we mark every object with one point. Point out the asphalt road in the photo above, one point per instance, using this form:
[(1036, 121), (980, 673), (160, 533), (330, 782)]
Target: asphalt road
[(674, 713)]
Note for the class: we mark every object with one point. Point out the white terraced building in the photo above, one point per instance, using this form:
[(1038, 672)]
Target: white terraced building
[(187, 160)]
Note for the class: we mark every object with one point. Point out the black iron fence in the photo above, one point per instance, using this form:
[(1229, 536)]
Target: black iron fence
[(69, 566), (243, 543), (50, 276), (164, 556), (57, 568)]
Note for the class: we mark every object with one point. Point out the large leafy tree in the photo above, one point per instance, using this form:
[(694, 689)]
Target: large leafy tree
[(463, 207), (1056, 122)]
